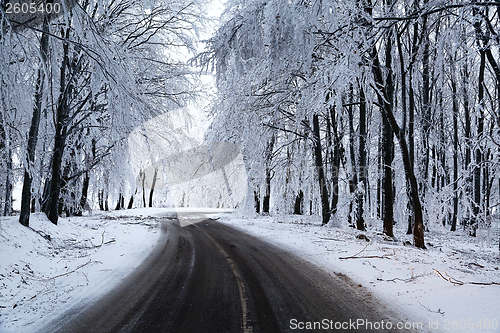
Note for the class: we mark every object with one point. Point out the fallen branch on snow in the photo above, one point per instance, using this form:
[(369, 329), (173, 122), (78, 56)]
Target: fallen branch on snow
[(67, 273), (384, 256), (332, 239), (460, 283), (410, 279)]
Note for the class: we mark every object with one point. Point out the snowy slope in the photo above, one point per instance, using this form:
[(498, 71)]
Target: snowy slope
[(40, 277)]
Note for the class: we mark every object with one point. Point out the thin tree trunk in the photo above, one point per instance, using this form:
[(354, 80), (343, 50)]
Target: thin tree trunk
[(8, 185), (85, 190), (455, 155), (353, 181), (119, 202), (153, 184), (257, 202), (478, 152), (335, 161), (299, 202), (318, 155), (100, 198), (131, 201), (426, 106), (388, 145), (267, 193), (360, 222)]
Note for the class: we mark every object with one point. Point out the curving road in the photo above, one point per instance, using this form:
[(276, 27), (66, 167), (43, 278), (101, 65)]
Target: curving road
[(210, 277)]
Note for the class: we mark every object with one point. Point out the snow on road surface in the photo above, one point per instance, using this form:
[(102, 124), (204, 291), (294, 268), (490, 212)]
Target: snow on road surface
[(87, 256)]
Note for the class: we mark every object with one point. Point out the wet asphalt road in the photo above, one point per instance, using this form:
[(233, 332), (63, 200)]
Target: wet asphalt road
[(210, 277)]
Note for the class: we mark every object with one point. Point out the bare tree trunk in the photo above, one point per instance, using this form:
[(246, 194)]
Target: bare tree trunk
[(318, 155), (455, 155), (33, 133), (85, 190), (299, 202), (388, 144), (257, 202), (353, 181), (336, 157), (411, 181), (7, 211), (478, 152), (360, 222), (142, 177), (153, 184), (426, 106), (267, 193), (62, 114), (131, 201), (100, 198)]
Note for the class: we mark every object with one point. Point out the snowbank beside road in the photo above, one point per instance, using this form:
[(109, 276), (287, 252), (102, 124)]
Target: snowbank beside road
[(401, 275), (47, 269)]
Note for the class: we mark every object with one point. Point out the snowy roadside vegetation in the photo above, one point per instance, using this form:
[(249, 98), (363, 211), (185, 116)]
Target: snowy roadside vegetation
[(46, 269), (410, 280)]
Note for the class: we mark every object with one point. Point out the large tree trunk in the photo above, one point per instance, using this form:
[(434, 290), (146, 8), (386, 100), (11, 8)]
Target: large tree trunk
[(318, 156), (33, 133)]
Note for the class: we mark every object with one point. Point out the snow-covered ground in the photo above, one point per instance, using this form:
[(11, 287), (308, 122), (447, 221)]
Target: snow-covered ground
[(87, 256), (401, 275), (47, 269)]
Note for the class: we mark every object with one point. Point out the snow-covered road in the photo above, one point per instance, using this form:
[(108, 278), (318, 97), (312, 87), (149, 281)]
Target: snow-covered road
[(87, 256)]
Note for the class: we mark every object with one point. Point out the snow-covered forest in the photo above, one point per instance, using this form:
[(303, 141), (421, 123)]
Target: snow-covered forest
[(357, 111), (75, 86), (362, 110)]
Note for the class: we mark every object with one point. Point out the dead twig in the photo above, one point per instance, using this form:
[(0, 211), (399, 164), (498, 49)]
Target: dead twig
[(428, 309), (384, 256), (332, 239), (67, 273), (44, 235), (354, 256)]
